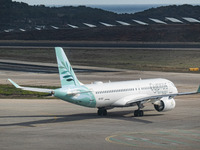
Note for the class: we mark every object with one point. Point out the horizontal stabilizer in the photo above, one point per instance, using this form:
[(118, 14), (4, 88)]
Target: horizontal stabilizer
[(74, 93), (31, 88)]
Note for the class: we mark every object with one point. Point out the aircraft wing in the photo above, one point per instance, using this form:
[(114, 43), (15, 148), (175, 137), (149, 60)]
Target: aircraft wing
[(189, 93), (31, 88), (133, 99)]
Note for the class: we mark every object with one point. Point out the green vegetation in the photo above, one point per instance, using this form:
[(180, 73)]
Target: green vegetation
[(135, 59), (29, 54), (9, 91), (21, 15), (150, 59), (177, 11), (16, 14), (151, 33)]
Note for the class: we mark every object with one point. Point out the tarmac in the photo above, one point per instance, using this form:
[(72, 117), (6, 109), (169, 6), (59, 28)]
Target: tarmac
[(55, 124)]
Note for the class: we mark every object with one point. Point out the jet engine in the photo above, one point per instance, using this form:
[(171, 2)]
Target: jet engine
[(165, 104)]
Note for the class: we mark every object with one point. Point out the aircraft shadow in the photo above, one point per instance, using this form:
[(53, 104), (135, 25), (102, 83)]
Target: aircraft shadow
[(76, 117)]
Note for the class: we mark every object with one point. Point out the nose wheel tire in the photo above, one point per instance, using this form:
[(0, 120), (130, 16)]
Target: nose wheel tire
[(102, 112), (138, 113)]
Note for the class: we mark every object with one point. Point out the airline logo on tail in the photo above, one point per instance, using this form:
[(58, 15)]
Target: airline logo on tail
[(67, 75)]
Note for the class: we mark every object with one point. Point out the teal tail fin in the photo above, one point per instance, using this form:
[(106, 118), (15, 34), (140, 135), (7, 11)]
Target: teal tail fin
[(67, 75)]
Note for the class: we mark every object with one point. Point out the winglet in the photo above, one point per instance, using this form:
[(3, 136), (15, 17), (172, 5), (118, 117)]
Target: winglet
[(198, 91), (15, 84)]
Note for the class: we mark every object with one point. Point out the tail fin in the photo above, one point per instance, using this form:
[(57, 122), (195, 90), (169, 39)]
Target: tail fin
[(67, 75)]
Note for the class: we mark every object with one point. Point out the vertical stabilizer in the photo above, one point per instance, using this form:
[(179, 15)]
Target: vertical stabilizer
[(67, 75)]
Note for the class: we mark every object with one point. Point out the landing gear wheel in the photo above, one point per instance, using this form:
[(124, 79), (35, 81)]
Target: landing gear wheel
[(99, 112), (102, 112), (138, 113), (141, 113)]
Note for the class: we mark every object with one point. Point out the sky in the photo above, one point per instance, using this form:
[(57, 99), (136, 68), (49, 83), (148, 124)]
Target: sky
[(106, 2)]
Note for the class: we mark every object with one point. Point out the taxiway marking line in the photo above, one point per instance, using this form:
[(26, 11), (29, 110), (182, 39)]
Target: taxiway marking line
[(111, 139)]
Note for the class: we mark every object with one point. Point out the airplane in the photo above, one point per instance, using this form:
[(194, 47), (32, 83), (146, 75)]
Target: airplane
[(160, 92)]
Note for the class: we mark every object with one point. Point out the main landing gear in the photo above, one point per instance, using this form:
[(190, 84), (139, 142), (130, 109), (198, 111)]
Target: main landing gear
[(102, 112), (138, 112)]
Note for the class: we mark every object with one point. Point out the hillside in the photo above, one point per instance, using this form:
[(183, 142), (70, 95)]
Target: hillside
[(21, 15), (15, 14), (153, 33), (170, 11), (22, 22)]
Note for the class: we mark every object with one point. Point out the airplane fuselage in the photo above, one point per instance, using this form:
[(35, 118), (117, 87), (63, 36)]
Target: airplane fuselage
[(115, 94)]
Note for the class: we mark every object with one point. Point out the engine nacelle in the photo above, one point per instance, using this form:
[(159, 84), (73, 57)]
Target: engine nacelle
[(165, 104)]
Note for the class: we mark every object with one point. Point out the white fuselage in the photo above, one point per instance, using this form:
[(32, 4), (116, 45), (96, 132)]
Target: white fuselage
[(116, 94)]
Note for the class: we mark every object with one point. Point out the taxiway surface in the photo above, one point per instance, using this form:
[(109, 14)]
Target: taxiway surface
[(55, 124)]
